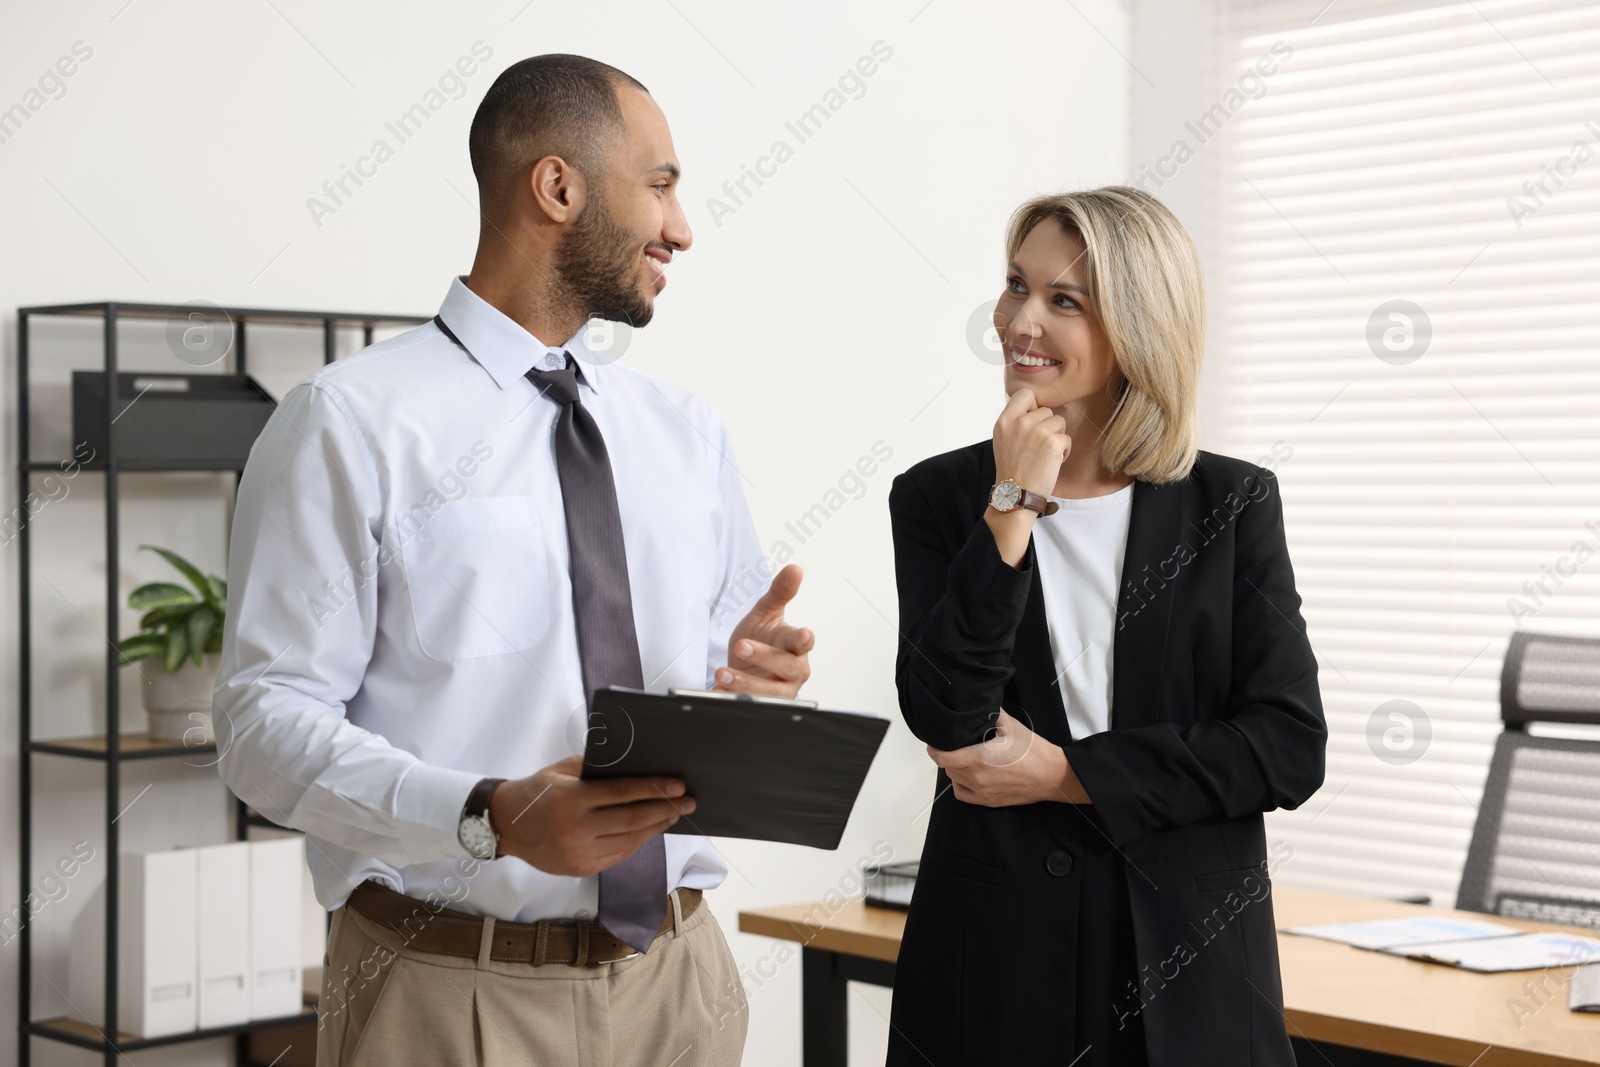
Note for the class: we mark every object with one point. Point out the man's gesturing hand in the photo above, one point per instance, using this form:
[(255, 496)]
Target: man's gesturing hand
[(562, 824), (766, 655)]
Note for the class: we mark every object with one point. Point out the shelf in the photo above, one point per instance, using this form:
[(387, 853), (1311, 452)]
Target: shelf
[(84, 1035), (130, 746), (167, 311), (112, 751), (73, 1032), (255, 818), (129, 465)]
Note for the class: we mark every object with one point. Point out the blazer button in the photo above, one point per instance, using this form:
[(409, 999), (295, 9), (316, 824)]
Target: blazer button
[(1058, 863)]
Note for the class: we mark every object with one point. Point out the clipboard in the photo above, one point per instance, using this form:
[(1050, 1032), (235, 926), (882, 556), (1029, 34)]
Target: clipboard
[(766, 770)]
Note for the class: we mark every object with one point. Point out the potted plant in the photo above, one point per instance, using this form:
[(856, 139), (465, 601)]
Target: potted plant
[(182, 628)]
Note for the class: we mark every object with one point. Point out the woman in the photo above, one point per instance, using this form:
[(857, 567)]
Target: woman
[(1102, 647)]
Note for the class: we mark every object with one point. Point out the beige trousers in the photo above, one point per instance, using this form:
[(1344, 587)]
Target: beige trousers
[(681, 1004)]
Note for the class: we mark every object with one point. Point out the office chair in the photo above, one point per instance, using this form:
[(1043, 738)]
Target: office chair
[(1535, 850)]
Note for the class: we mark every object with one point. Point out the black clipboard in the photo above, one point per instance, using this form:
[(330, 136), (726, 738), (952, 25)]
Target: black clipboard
[(765, 770)]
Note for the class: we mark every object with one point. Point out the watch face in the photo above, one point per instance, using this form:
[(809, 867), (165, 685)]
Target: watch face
[(476, 837), (1006, 495)]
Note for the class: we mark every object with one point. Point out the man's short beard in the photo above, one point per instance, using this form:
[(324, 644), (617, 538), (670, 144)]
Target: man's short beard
[(595, 266)]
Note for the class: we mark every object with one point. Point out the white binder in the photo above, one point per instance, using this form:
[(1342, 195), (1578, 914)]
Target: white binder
[(156, 947), (276, 888), (224, 934)]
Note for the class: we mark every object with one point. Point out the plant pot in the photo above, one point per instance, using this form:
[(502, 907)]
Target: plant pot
[(179, 702)]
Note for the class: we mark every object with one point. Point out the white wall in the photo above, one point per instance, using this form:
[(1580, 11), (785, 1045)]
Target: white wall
[(1175, 80), (826, 313)]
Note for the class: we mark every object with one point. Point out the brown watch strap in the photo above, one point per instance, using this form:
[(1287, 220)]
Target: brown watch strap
[(1042, 504), (478, 804), (478, 799)]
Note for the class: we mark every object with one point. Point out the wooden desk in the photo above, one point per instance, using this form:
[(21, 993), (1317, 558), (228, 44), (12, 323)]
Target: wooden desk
[(1437, 1014), (852, 943), (1332, 993)]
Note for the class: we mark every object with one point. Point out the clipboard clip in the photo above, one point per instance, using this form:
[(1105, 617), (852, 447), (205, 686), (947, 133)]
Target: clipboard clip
[(743, 698)]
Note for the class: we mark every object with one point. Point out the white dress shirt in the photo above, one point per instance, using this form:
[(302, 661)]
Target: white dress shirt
[(1079, 552), (400, 603)]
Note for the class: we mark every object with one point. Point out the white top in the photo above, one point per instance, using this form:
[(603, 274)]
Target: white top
[(1079, 551), (400, 605)]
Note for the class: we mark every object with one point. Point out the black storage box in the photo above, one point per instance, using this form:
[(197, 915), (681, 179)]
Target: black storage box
[(194, 421)]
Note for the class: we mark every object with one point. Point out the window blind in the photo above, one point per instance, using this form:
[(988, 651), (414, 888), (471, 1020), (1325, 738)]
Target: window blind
[(1405, 301)]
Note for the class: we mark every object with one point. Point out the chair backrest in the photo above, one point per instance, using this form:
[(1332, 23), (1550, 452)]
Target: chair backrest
[(1535, 851), (1550, 679)]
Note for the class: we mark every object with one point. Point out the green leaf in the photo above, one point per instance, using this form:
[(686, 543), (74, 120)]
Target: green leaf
[(198, 625), (161, 618), (189, 571), (219, 592), (136, 641), (159, 595), (141, 646), (177, 647)]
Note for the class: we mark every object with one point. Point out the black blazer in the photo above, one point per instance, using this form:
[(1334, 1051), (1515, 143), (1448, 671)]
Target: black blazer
[(1216, 718)]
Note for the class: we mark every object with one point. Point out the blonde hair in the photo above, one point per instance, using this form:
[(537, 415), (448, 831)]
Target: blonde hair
[(1145, 284)]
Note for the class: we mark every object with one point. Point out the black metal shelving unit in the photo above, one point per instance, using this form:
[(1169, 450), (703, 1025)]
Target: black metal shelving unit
[(112, 749)]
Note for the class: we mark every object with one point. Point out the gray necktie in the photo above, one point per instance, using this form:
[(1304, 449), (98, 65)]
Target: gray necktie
[(633, 897)]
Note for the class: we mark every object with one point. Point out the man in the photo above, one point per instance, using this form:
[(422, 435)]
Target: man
[(442, 547)]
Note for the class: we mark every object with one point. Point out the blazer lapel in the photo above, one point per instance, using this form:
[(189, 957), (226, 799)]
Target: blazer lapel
[(1145, 604), (1030, 654), (1036, 672), (1143, 608)]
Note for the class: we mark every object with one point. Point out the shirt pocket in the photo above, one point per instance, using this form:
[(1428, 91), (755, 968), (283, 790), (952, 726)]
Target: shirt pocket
[(479, 578)]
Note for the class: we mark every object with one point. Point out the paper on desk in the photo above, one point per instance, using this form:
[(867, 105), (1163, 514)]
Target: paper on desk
[(1525, 952), (1407, 930)]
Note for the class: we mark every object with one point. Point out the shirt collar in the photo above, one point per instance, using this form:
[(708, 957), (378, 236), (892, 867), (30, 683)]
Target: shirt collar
[(501, 346)]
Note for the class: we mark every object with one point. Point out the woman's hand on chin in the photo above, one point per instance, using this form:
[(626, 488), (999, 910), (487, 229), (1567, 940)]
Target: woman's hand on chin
[(1013, 766)]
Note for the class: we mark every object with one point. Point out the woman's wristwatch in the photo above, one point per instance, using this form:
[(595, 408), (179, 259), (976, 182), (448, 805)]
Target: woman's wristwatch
[(1007, 495)]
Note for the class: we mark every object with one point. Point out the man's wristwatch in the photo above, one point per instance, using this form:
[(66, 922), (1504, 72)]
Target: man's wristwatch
[(475, 832), (1008, 496)]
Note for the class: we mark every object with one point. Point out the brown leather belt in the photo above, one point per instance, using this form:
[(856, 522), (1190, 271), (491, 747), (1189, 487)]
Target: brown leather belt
[(458, 933)]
